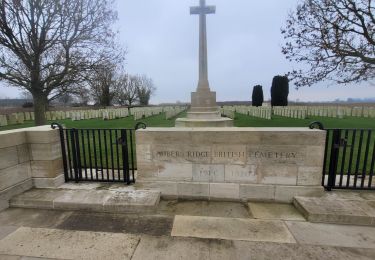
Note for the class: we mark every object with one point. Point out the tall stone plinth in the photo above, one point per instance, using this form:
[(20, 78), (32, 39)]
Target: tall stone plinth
[(204, 112), (203, 101), (266, 164)]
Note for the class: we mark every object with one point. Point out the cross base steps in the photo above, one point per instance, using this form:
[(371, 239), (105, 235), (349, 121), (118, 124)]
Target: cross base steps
[(210, 122), (204, 115)]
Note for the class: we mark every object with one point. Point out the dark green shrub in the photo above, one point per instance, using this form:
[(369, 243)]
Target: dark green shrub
[(258, 98), (280, 91)]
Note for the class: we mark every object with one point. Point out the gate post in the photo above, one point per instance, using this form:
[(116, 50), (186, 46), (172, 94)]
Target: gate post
[(63, 148), (125, 156), (335, 149)]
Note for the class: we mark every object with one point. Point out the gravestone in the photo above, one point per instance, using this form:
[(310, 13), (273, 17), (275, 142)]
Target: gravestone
[(204, 111), (12, 119), (27, 116), (3, 120)]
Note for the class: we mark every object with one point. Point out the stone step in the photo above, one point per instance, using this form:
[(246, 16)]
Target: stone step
[(112, 201), (231, 229), (331, 209)]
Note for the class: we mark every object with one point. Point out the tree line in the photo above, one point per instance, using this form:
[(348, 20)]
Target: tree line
[(110, 87)]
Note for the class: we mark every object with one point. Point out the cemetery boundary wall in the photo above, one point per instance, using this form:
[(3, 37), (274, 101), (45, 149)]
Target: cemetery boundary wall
[(29, 157)]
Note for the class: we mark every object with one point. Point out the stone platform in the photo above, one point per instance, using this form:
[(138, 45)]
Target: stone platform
[(113, 200), (354, 208)]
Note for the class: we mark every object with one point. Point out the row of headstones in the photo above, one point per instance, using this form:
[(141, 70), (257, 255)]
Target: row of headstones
[(145, 112), (171, 112), (260, 112), (76, 115), (302, 112), (341, 111), (292, 112), (16, 118), (230, 113)]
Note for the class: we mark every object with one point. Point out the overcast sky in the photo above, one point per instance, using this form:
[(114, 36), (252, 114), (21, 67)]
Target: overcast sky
[(244, 49)]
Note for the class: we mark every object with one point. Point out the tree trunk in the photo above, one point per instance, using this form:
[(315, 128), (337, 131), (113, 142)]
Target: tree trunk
[(40, 104)]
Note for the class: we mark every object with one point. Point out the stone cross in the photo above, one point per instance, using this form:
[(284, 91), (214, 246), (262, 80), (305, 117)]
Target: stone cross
[(202, 10)]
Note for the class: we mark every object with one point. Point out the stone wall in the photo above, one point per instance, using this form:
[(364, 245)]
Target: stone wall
[(29, 157), (272, 164)]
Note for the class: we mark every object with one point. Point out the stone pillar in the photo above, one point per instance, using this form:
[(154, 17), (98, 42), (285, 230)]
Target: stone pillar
[(45, 156)]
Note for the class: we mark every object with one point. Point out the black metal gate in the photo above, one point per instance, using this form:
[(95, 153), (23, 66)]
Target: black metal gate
[(349, 159), (98, 155)]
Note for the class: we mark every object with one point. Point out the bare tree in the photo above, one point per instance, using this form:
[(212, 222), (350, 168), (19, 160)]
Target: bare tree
[(145, 90), (334, 38), (45, 45), (102, 83), (81, 96), (127, 86), (65, 99)]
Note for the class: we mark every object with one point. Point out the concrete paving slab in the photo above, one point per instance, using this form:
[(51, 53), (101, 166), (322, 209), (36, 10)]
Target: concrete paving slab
[(203, 208), (131, 201), (231, 229), (32, 217), (333, 235), (368, 195), (36, 198), (322, 210), (241, 250), (119, 223), (53, 243), (15, 257), (167, 248), (343, 195), (274, 211), (171, 248), (6, 230)]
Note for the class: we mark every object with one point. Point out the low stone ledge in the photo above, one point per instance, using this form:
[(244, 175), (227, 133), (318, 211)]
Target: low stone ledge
[(336, 211), (7, 194), (49, 182), (112, 201), (229, 191)]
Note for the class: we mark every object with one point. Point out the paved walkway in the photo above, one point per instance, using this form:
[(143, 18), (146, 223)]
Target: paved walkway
[(180, 230)]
